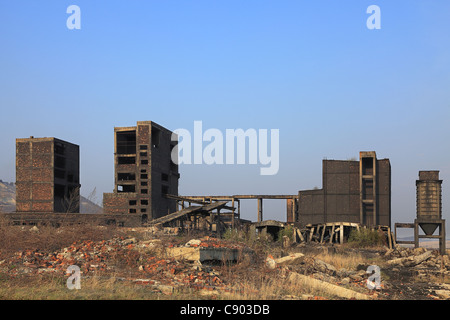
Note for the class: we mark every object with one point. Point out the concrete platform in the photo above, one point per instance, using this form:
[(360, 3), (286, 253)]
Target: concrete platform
[(208, 253)]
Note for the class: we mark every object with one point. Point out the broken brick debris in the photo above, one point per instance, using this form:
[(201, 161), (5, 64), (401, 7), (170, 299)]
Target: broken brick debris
[(164, 273)]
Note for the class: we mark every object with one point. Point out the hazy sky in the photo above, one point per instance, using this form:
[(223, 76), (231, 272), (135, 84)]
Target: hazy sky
[(311, 69)]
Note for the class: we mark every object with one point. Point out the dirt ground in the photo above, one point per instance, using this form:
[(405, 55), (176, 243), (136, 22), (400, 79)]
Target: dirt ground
[(119, 263)]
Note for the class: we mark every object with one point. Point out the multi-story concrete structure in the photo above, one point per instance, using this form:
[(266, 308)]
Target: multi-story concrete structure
[(143, 172), (353, 191), (47, 175)]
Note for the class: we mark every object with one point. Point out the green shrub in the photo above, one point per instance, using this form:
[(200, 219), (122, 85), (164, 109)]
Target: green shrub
[(366, 238), (287, 231), (234, 235)]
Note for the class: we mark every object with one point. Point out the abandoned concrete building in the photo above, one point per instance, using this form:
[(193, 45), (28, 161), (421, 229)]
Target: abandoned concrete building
[(352, 191), (143, 172), (47, 176), (146, 186)]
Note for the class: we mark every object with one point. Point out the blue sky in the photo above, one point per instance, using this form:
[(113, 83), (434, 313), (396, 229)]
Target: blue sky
[(311, 69)]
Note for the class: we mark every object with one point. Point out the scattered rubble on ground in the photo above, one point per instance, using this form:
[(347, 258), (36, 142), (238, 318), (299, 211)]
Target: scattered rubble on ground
[(328, 287), (172, 265), (405, 274), (154, 266), (421, 261)]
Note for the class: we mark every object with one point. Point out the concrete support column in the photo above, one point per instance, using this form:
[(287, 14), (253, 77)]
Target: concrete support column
[(416, 234), (232, 216), (260, 209), (442, 238)]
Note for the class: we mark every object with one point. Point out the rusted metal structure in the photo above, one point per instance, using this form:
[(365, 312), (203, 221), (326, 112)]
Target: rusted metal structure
[(353, 191), (428, 210), (143, 172), (429, 201), (234, 203), (47, 175)]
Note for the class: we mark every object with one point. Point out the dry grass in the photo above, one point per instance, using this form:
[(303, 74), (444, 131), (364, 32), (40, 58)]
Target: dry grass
[(253, 281), (274, 288), (47, 238), (55, 288), (339, 260), (250, 279)]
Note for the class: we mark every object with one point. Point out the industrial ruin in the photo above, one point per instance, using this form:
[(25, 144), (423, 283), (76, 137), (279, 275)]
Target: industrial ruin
[(355, 193), (47, 175), (429, 210), (143, 172)]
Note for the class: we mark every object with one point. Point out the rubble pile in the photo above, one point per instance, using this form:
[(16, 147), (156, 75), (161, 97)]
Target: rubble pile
[(146, 261), (180, 274), (88, 255), (209, 242), (422, 261), (173, 264), (321, 274), (415, 266)]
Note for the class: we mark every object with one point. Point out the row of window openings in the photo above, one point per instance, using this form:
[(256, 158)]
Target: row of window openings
[(131, 188), (134, 210), (132, 177), (142, 154), (142, 149), (126, 141), (128, 147), (130, 160), (134, 202)]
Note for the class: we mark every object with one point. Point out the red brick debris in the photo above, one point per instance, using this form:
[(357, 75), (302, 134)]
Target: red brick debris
[(146, 266), (209, 242)]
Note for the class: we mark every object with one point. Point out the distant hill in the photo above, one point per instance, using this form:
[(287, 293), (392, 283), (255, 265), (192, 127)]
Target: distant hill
[(7, 196), (87, 206), (8, 200)]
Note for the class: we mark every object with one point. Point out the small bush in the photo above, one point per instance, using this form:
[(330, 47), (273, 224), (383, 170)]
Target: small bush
[(237, 235), (366, 238), (287, 231)]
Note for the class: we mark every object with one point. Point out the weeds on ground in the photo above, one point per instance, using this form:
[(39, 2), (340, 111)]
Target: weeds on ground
[(53, 287), (366, 238), (288, 231)]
